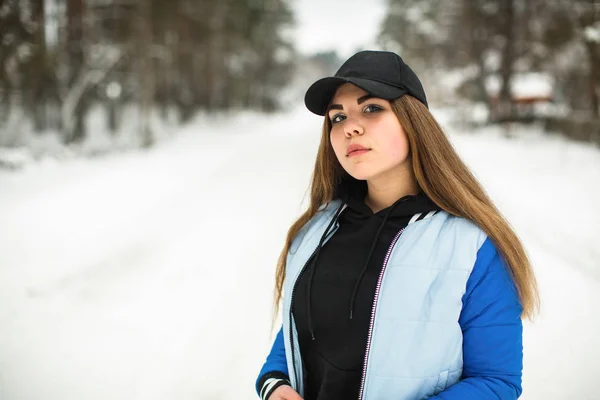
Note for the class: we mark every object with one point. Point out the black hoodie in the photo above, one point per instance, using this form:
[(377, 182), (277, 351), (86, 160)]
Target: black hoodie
[(332, 344)]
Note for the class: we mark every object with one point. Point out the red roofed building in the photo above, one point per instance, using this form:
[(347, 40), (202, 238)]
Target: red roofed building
[(532, 95)]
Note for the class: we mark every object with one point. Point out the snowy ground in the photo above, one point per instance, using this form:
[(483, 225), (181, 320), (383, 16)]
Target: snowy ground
[(149, 275)]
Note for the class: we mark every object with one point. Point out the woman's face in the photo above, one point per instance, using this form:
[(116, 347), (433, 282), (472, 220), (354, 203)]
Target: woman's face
[(366, 136)]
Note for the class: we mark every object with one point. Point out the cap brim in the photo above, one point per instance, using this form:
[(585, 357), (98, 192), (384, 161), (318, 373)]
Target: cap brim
[(319, 94)]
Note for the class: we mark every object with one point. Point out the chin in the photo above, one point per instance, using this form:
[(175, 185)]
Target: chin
[(361, 175)]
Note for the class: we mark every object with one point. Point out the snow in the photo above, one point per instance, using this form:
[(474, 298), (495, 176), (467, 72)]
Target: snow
[(22, 145), (14, 158), (148, 275), (532, 84), (592, 33)]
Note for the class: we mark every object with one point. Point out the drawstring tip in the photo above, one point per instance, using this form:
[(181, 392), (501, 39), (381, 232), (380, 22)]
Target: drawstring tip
[(312, 336), (350, 314)]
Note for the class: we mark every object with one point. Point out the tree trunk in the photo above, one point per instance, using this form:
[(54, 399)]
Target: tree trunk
[(75, 127), (74, 45), (508, 56), (477, 49), (592, 18), (40, 80), (594, 59), (146, 72), (112, 116)]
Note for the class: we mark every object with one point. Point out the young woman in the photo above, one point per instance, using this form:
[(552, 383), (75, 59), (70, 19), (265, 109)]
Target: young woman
[(402, 280)]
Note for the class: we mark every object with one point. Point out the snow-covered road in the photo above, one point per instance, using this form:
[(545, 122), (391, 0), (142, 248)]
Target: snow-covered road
[(149, 275)]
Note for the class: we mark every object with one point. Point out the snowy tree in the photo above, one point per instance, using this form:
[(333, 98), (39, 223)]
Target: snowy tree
[(502, 38), (61, 58)]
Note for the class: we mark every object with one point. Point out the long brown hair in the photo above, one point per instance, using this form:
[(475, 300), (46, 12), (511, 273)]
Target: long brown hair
[(443, 176)]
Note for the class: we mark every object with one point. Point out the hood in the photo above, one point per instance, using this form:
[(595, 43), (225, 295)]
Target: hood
[(353, 193)]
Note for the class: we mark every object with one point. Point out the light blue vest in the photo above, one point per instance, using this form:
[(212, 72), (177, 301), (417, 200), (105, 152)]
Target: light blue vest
[(415, 347)]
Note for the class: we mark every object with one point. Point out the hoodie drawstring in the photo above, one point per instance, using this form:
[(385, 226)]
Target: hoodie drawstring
[(364, 270), (314, 267)]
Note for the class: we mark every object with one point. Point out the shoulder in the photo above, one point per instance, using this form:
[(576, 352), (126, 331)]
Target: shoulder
[(466, 232), (490, 275), (453, 223), (325, 212), (451, 235)]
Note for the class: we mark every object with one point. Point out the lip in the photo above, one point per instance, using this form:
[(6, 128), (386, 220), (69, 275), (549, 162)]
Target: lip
[(356, 149)]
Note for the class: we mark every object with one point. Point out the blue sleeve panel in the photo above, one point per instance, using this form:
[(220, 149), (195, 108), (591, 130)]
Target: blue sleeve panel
[(492, 333), (276, 361)]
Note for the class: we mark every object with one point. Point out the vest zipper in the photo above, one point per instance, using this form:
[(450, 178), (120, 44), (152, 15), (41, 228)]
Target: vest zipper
[(373, 310), (291, 309)]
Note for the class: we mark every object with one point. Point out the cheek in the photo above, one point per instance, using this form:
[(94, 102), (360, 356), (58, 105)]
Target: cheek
[(396, 146), (337, 142)]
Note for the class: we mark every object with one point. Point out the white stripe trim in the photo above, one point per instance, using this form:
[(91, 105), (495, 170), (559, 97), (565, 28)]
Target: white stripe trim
[(268, 386), (430, 214), (414, 218)]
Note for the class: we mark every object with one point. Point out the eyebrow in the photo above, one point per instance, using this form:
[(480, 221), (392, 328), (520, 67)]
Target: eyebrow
[(360, 100)]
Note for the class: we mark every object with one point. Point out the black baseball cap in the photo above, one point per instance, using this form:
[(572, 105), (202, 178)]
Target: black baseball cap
[(382, 74)]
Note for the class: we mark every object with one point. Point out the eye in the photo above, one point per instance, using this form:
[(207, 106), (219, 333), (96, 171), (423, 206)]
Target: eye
[(336, 118), (371, 108)]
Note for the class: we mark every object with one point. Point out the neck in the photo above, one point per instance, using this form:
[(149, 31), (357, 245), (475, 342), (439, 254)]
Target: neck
[(385, 191)]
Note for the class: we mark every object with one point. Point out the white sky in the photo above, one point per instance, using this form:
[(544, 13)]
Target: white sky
[(344, 26)]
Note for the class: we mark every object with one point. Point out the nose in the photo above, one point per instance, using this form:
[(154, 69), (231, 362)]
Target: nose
[(352, 128)]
